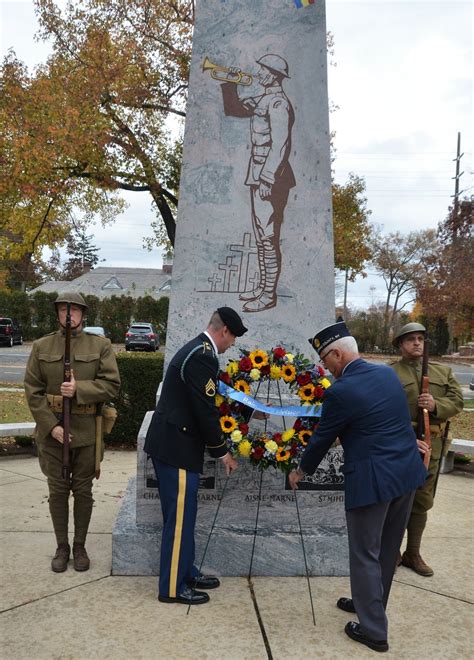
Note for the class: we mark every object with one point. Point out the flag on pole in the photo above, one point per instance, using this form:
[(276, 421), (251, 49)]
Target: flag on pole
[(303, 3)]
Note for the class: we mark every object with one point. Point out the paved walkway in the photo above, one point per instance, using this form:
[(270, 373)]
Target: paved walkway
[(80, 616)]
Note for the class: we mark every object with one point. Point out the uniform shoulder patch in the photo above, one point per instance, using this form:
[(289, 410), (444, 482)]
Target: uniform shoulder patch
[(210, 388)]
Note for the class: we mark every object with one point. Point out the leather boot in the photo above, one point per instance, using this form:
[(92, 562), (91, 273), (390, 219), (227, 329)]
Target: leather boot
[(272, 265), (81, 560), (257, 292), (414, 561), (61, 558)]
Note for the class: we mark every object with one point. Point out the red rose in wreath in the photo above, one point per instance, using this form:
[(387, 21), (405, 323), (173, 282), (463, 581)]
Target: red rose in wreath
[(245, 364)]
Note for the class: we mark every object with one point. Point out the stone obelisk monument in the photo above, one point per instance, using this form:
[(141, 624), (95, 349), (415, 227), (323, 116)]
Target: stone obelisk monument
[(254, 232)]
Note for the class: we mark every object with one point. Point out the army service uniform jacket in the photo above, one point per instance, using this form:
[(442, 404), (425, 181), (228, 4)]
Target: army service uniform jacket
[(444, 388), (186, 419), (97, 381)]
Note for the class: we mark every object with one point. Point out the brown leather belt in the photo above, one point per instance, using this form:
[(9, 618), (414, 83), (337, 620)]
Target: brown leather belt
[(55, 402)]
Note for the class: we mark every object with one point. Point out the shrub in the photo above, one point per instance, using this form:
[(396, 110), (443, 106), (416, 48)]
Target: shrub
[(24, 440), (141, 373)]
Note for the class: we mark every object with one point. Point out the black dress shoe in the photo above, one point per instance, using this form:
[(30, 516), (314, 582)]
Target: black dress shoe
[(353, 630), (203, 582), (186, 597), (346, 604)]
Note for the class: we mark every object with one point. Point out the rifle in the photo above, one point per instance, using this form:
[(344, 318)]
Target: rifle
[(423, 423), (66, 400)]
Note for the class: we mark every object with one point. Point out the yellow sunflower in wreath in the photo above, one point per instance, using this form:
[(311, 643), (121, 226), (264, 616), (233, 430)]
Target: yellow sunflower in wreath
[(282, 455), (259, 358), (304, 435), (288, 373), (228, 424), (242, 386)]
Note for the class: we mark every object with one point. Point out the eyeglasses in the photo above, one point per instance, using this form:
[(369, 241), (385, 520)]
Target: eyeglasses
[(322, 359)]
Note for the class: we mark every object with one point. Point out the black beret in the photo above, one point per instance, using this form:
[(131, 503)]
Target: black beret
[(232, 320), (329, 334)]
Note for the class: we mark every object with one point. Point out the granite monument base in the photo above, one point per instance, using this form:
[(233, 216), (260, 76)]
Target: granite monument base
[(278, 547)]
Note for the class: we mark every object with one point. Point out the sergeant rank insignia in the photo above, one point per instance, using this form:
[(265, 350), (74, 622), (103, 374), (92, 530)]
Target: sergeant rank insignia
[(210, 387)]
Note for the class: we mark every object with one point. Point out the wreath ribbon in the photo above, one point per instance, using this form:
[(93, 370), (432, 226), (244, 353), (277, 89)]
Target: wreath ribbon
[(285, 411)]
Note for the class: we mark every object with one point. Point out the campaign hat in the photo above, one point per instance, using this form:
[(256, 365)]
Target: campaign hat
[(232, 320), (328, 335)]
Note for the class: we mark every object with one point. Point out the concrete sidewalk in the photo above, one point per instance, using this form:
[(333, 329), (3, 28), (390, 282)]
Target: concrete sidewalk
[(94, 615)]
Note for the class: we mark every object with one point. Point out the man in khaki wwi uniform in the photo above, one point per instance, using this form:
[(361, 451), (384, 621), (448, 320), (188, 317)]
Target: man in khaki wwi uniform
[(444, 400), (94, 380)]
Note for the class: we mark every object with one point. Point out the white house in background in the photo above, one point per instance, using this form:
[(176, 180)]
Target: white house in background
[(105, 282)]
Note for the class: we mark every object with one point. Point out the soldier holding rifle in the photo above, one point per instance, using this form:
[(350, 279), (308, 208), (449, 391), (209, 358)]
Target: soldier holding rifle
[(84, 379), (442, 400)]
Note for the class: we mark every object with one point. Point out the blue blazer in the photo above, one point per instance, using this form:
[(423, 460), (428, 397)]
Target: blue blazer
[(367, 409)]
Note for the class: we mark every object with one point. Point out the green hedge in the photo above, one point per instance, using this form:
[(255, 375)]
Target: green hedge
[(141, 373), (37, 315)]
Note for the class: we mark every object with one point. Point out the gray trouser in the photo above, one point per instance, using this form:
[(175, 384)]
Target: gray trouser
[(375, 534)]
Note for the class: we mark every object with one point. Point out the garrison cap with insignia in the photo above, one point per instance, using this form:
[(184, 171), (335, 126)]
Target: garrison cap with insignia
[(328, 335), (232, 320)]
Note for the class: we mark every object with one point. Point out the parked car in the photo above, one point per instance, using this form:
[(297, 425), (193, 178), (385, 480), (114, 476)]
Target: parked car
[(95, 330), (142, 336), (10, 331)]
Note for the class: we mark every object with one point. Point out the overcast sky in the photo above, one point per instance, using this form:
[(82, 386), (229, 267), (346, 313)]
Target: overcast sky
[(403, 84)]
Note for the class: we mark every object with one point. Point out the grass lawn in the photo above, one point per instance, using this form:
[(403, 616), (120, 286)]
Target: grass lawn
[(13, 407)]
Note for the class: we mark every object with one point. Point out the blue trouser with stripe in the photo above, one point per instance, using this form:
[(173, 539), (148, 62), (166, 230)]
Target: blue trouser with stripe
[(178, 494)]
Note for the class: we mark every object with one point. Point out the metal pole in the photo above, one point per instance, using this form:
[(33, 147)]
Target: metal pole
[(304, 556), (209, 537)]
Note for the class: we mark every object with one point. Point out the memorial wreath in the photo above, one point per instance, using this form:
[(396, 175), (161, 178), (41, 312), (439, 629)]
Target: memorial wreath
[(281, 450)]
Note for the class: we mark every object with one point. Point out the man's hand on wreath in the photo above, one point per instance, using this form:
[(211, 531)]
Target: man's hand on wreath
[(258, 414), (229, 462), (294, 477)]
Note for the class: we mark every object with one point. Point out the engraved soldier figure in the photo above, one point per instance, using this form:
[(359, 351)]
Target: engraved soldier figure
[(269, 176), (94, 380), (444, 400), (184, 424)]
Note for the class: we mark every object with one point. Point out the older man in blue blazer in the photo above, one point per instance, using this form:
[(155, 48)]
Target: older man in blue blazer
[(366, 408)]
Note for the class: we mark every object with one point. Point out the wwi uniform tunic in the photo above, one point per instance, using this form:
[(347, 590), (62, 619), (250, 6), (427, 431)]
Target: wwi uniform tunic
[(97, 380), (448, 397)]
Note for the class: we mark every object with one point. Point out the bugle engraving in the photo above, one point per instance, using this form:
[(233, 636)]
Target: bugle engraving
[(225, 74)]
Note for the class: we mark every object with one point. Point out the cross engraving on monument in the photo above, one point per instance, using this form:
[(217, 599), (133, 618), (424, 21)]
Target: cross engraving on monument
[(214, 281), (246, 250), (229, 267)]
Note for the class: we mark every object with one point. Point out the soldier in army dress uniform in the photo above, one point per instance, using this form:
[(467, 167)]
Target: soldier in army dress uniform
[(94, 380), (184, 424), (444, 400)]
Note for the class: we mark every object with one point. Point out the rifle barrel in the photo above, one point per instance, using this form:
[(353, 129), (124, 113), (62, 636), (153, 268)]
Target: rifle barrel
[(67, 400)]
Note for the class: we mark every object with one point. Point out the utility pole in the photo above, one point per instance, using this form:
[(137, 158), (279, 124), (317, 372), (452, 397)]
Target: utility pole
[(454, 223), (346, 278), (456, 178)]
